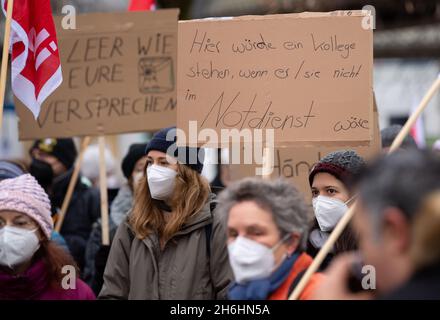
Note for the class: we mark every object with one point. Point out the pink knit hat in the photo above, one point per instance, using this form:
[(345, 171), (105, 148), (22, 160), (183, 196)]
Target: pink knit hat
[(24, 194)]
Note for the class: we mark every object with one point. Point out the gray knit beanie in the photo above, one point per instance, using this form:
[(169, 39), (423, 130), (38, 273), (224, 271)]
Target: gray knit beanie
[(341, 164)]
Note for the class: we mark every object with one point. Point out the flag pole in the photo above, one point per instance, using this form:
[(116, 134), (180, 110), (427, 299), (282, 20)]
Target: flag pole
[(72, 184), (342, 224), (103, 189), (415, 115), (5, 57)]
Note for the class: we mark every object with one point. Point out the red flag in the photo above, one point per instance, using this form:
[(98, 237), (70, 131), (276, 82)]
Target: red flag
[(418, 133), (418, 129), (35, 60), (141, 5)]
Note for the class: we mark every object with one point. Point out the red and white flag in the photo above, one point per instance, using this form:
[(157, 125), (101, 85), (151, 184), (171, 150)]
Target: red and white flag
[(141, 5), (35, 60)]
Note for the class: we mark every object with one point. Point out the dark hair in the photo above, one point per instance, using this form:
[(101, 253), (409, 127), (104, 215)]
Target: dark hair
[(55, 258), (135, 152), (347, 241), (343, 165), (388, 135), (402, 180)]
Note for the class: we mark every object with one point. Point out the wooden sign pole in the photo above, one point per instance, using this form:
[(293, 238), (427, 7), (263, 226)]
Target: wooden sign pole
[(267, 162), (349, 214), (103, 189), (72, 184), (5, 57)]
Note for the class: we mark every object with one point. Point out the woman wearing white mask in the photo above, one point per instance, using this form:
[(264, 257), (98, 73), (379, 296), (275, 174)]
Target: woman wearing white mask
[(32, 267), (331, 198), (267, 232), (171, 246), (133, 166)]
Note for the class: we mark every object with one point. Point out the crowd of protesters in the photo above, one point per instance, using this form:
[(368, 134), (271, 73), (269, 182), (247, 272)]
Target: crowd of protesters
[(175, 236)]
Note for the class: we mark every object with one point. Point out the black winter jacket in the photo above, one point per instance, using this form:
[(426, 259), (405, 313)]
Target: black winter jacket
[(84, 209), (423, 285)]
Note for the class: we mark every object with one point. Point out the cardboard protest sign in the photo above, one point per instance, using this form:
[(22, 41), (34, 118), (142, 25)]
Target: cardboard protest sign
[(118, 76), (307, 76), (295, 163)]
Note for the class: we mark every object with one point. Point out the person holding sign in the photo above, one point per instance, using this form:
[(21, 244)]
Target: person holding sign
[(172, 246), (267, 234), (52, 166), (33, 267), (132, 166), (328, 181)]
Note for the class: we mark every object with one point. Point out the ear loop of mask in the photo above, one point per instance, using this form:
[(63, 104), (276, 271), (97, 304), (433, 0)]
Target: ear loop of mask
[(282, 240)]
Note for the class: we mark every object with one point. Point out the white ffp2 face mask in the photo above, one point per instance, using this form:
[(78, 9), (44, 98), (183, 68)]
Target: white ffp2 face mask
[(17, 245), (161, 181), (328, 211), (251, 260)]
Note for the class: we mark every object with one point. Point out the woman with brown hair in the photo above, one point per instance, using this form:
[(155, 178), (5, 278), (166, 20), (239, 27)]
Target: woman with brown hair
[(31, 265), (132, 166), (171, 246), (329, 180)]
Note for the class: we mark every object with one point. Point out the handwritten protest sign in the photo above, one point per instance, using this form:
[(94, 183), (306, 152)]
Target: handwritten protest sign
[(307, 76), (118, 76), (295, 163)]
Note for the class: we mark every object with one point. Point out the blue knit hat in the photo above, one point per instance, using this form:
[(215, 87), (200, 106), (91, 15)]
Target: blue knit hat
[(165, 141), (9, 170)]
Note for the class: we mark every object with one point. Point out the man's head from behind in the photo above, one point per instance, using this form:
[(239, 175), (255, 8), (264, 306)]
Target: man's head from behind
[(393, 191), (390, 133)]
